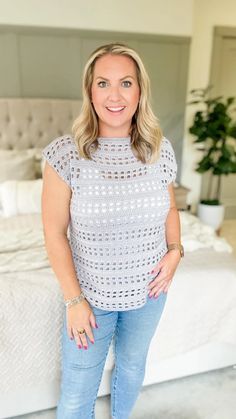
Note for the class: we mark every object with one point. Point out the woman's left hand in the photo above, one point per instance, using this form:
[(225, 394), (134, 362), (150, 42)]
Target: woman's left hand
[(165, 270)]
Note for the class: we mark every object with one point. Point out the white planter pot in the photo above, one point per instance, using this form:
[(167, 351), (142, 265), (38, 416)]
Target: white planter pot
[(211, 215)]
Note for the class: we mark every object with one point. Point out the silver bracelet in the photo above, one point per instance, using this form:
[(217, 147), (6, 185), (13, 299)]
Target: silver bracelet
[(74, 300)]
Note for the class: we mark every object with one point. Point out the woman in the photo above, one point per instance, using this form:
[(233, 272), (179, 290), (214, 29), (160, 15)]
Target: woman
[(112, 184)]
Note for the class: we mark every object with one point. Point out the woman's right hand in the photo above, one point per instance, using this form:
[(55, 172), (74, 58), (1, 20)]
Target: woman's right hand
[(81, 316)]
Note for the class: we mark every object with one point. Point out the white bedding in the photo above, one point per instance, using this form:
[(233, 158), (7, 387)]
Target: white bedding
[(22, 250), (196, 235), (201, 303)]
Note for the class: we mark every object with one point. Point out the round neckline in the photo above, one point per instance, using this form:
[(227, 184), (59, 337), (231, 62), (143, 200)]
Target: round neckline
[(121, 140)]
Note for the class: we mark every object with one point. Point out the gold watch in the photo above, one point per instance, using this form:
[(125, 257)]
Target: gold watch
[(176, 246)]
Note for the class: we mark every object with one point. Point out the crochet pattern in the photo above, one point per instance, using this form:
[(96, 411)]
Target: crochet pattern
[(118, 211)]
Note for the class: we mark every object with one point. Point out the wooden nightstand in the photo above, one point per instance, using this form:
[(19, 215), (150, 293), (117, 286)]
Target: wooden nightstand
[(181, 193)]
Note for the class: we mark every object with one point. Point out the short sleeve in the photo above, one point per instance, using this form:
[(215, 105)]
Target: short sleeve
[(57, 154), (168, 161)]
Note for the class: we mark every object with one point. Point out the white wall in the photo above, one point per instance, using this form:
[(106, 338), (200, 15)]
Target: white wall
[(173, 17), (206, 15)]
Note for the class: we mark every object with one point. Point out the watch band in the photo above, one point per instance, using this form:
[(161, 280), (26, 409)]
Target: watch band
[(178, 246)]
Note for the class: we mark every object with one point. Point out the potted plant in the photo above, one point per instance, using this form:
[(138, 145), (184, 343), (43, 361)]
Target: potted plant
[(215, 132)]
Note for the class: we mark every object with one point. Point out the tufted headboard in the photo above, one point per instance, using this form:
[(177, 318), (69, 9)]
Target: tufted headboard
[(33, 122)]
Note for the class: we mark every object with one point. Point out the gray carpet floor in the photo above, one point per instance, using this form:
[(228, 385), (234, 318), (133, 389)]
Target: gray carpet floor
[(210, 395)]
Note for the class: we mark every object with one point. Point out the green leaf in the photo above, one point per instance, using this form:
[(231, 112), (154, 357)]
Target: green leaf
[(232, 131), (230, 100), (205, 164)]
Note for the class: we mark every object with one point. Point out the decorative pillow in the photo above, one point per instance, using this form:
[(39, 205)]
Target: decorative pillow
[(17, 165), (21, 197), (38, 161)]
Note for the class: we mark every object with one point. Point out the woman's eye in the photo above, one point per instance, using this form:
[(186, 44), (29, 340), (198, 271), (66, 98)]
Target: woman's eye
[(127, 83), (101, 82)]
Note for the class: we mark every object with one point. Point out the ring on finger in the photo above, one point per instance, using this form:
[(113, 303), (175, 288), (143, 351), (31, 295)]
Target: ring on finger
[(80, 331)]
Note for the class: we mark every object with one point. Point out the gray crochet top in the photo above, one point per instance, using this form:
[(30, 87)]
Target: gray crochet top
[(118, 211)]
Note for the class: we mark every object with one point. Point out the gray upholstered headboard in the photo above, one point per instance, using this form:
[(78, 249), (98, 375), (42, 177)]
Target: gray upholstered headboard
[(33, 122)]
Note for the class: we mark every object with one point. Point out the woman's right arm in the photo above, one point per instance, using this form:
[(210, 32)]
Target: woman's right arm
[(56, 216), (56, 197)]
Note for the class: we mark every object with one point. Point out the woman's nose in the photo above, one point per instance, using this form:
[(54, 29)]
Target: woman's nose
[(114, 93)]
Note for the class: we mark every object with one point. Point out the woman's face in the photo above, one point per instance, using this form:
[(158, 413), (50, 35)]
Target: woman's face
[(115, 94)]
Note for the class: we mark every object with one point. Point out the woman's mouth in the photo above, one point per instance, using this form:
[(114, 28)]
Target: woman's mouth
[(115, 109)]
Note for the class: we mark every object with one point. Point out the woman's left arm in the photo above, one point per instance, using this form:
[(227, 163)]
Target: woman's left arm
[(166, 268), (172, 220)]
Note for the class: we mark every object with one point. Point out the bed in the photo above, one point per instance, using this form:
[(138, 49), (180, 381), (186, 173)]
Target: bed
[(197, 330)]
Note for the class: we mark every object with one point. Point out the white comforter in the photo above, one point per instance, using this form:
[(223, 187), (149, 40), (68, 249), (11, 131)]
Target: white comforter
[(22, 250), (196, 235)]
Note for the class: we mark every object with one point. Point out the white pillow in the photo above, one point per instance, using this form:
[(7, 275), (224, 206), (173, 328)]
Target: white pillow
[(17, 165), (20, 165), (21, 197)]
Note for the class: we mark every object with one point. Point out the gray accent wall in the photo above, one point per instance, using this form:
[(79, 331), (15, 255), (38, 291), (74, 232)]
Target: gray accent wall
[(48, 62)]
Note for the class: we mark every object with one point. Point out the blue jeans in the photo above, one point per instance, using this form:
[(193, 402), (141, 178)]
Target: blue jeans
[(82, 369)]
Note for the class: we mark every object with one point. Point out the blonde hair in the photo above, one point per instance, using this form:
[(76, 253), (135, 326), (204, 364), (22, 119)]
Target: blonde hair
[(145, 132)]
